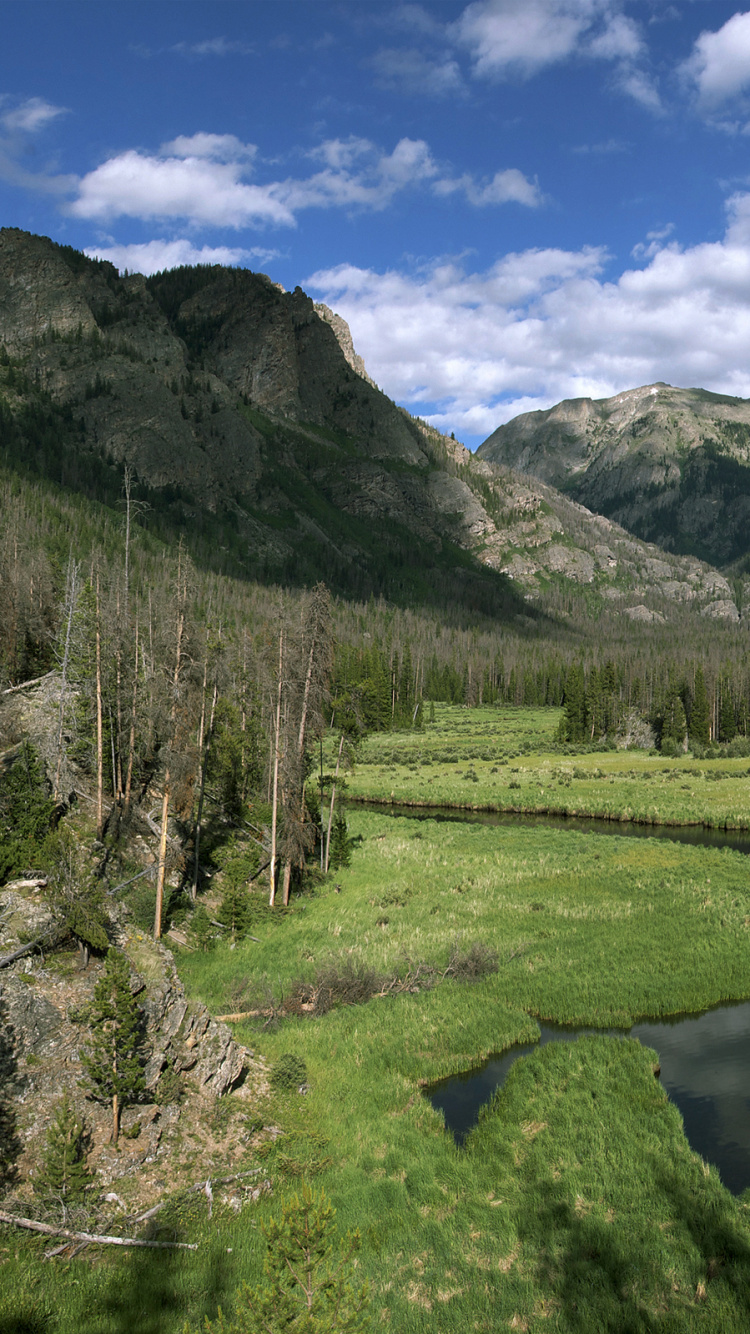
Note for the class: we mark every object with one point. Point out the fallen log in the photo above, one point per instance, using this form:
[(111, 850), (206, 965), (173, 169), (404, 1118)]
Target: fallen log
[(33, 1226), (26, 685), (48, 939)]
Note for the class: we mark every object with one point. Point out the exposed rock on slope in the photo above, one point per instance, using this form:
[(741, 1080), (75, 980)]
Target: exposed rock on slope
[(254, 431), (672, 465)]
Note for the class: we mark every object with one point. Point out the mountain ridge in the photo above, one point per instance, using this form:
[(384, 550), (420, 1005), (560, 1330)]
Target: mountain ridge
[(671, 465), (251, 428)]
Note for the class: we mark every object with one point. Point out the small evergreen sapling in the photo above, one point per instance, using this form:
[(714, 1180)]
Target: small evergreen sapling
[(64, 1175), (308, 1288), (115, 1057)]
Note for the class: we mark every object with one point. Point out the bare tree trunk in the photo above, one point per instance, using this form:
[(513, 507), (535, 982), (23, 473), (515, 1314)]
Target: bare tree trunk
[(115, 1118), (159, 908), (99, 735), (167, 780), (202, 782), (275, 799), (131, 739), (71, 598), (333, 803)]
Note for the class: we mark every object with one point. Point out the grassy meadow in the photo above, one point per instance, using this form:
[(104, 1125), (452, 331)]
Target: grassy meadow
[(507, 759), (576, 1204)]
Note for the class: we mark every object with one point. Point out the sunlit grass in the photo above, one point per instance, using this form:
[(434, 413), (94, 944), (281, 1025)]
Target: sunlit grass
[(501, 759), (577, 1204)]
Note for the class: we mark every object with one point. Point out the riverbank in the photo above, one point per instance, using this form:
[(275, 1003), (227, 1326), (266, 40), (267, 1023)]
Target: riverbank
[(495, 760), (577, 1204)]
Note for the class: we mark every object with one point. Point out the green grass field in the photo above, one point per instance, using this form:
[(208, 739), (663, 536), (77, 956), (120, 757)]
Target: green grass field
[(507, 760), (577, 1204)]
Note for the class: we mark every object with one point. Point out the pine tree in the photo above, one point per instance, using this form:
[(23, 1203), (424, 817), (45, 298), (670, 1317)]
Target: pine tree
[(340, 849), (234, 909), (308, 1290), (727, 724), (115, 1057), (64, 1175), (700, 714)]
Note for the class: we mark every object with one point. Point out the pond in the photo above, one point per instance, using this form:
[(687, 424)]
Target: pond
[(705, 1070)]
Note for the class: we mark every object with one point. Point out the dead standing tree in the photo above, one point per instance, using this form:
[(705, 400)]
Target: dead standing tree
[(177, 721), (308, 696)]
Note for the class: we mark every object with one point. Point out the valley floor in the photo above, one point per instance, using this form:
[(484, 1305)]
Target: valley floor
[(577, 1203)]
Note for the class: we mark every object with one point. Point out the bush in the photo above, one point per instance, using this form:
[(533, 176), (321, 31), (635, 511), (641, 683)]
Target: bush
[(469, 965), (288, 1073)]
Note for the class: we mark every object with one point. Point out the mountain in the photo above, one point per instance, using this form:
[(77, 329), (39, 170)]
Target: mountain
[(252, 430), (671, 465)]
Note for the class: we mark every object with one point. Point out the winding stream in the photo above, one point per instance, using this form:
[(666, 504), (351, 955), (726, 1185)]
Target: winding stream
[(705, 1069), (705, 1059)]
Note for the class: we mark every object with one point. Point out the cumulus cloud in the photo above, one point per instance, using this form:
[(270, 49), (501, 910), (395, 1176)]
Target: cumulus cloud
[(201, 178), (217, 147), (505, 187), (719, 65), (519, 38), (153, 256), (470, 350), (205, 191)]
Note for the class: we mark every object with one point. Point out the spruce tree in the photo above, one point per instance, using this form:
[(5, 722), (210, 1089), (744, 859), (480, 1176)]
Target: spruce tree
[(115, 1057), (341, 854), (307, 1289), (700, 714), (727, 724), (64, 1175)]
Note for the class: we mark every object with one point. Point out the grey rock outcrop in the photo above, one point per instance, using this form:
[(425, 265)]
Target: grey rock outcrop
[(672, 465)]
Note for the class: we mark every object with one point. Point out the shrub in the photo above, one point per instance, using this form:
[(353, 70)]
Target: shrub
[(468, 965), (288, 1073)]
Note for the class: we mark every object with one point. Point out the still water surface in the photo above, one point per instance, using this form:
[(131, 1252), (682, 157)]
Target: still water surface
[(705, 1069), (697, 835), (705, 1059)]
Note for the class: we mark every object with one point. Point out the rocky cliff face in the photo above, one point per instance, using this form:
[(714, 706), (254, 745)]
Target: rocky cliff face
[(42, 1000), (252, 428), (672, 465)]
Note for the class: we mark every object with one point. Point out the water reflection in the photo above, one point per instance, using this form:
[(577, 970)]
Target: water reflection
[(705, 1070), (692, 835)]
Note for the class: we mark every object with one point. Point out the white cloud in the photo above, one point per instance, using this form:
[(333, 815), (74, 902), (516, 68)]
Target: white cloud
[(31, 115), (654, 238), (506, 187), (518, 38), (620, 39), (17, 123), (411, 72), (217, 147), (205, 191), (153, 256), (201, 178), (473, 349), (523, 36), (720, 63)]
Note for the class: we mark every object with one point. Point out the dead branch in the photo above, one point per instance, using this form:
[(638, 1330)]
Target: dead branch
[(33, 1226), (197, 1188), (47, 939), (26, 685)]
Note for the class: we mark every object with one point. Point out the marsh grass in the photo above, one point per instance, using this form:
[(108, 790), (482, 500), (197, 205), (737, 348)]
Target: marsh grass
[(576, 1204), (508, 760)]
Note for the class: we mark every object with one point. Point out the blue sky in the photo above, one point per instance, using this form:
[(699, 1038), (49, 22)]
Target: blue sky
[(510, 201)]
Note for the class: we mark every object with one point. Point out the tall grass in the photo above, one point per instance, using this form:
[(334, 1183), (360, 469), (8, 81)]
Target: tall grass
[(507, 760), (577, 1204)]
